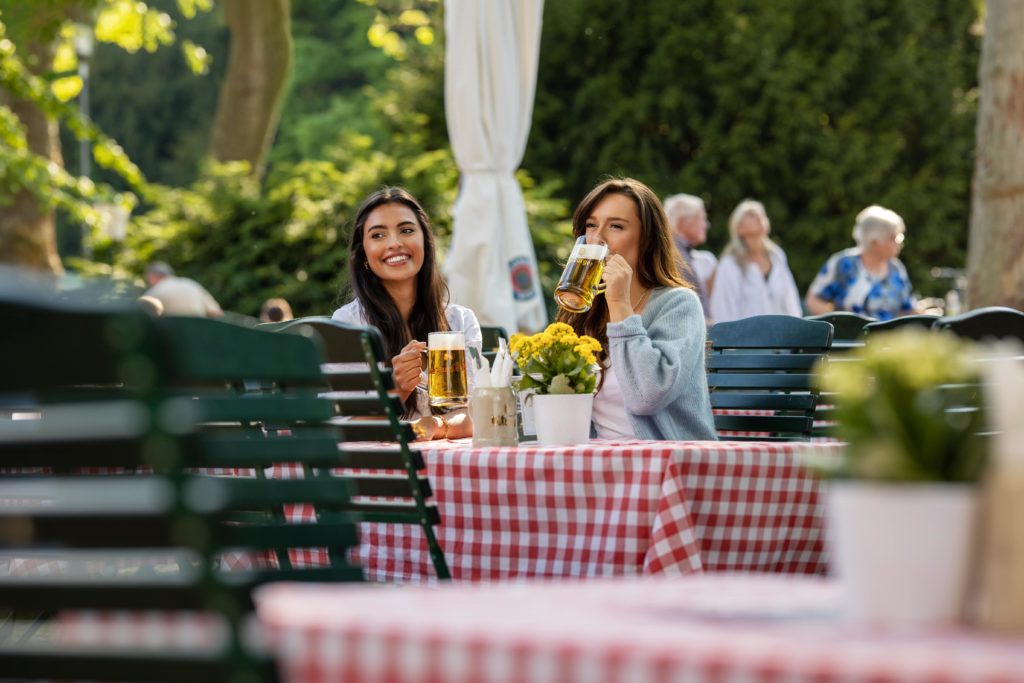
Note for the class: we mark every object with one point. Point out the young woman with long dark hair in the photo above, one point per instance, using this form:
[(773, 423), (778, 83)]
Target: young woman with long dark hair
[(649, 321), (398, 288)]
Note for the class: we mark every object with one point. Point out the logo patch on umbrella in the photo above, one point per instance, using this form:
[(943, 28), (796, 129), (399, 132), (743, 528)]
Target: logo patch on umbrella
[(522, 278)]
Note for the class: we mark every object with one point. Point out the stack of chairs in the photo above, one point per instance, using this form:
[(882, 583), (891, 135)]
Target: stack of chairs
[(123, 490), (389, 483)]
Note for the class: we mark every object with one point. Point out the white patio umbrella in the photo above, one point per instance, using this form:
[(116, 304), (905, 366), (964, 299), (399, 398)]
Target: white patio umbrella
[(490, 74)]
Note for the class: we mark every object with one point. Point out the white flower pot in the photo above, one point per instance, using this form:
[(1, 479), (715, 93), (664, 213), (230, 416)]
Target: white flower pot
[(902, 551), (562, 419)]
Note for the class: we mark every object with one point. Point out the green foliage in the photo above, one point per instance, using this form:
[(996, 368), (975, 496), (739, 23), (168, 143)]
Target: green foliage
[(340, 139), (20, 168), (816, 108), (289, 237), (909, 407), (154, 104)]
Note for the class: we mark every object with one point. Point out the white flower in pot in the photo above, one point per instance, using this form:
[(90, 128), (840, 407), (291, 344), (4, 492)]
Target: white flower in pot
[(903, 506)]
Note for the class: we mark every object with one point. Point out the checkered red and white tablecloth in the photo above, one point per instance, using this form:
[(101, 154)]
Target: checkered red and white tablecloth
[(608, 509), (709, 628), (602, 509)]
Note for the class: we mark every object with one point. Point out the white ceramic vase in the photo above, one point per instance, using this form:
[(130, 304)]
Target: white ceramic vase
[(562, 419), (902, 551)]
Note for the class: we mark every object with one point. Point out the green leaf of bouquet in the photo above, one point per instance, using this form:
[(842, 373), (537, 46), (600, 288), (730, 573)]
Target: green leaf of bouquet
[(536, 368)]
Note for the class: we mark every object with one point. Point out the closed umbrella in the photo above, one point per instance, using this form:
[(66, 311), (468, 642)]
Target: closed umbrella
[(490, 76)]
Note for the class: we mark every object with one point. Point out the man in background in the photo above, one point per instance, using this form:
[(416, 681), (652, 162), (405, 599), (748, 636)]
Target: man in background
[(179, 295), (689, 222)]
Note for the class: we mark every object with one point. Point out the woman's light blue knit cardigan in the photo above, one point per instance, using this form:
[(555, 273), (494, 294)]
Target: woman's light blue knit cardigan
[(658, 358)]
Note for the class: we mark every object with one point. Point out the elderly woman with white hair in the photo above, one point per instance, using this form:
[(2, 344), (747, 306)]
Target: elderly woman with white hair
[(753, 276), (867, 279)]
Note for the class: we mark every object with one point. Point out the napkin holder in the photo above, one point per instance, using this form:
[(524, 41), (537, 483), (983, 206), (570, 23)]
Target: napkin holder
[(493, 410)]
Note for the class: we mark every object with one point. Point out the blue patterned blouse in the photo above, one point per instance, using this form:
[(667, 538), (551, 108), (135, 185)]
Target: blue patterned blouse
[(845, 282)]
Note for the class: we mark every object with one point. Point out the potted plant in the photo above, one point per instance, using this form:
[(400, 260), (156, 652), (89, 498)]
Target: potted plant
[(559, 368), (903, 507)]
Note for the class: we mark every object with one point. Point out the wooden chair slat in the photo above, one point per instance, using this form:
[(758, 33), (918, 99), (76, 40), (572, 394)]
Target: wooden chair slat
[(764, 401), (763, 423), (768, 362), (759, 380)]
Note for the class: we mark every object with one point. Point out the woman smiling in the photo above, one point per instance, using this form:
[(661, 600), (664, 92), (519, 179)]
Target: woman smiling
[(399, 290)]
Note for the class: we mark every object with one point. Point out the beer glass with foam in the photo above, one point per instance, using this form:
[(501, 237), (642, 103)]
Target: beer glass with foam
[(581, 279), (446, 369)]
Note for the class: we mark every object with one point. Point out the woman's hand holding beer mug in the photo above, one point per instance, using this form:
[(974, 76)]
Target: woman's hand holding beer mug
[(407, 367), (618, 280)]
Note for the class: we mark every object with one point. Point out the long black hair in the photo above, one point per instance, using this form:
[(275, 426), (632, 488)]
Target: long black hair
[(379, 308)]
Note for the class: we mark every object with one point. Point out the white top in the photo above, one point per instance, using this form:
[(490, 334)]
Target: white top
[(741, 293), (182, 296), (460, 319), (609, 411), (704, 264)]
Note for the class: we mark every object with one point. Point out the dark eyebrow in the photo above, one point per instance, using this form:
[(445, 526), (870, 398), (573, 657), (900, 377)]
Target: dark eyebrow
[(384, 227), (611, 218)]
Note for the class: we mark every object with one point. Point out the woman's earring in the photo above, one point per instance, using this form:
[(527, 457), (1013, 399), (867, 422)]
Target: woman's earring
[(366, 265)]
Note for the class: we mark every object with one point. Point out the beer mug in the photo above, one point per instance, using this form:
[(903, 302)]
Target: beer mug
[(446, 369), (581, 279)]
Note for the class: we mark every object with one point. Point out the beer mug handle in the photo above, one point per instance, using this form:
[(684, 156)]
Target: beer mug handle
[(599, 288)]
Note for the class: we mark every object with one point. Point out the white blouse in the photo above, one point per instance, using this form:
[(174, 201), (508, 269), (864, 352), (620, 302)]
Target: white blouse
[(611, 421), (744, 292), (460, 319)]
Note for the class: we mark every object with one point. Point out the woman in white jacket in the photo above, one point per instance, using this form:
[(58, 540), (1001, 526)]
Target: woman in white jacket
[(753, 277)]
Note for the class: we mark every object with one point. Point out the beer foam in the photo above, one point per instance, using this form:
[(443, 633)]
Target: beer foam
[(589, 251), (446, 341)]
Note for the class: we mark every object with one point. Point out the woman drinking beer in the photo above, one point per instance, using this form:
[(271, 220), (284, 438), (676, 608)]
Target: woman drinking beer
[(399, 289), (649, 321)]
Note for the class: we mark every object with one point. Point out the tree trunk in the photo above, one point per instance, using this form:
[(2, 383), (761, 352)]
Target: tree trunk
[(995, 263), (260, 57), (28, 236)]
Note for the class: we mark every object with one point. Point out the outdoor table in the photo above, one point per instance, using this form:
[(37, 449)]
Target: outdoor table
[(713, 628), (607, 508)]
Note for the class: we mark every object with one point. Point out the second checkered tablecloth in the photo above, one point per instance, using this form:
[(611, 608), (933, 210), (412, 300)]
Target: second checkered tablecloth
[(610, 509)]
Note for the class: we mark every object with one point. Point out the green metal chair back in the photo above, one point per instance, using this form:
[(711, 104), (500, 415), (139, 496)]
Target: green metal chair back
[(847, 328), (189, 408), (992, 322), (362, 389), (764, 365), (922, 320)]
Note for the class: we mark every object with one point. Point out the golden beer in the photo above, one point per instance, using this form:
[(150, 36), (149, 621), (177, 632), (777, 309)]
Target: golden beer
[(581, 279), (447, 385)]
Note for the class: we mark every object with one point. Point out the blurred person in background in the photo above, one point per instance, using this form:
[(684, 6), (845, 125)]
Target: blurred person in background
[(753, 276), (151, 305), (869, 278), (688, 220), (275, 310), (179, 295)]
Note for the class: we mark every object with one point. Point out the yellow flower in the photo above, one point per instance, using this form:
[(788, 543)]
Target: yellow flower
[(544, 354)]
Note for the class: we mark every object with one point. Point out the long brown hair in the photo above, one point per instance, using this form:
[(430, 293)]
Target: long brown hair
[(656, 264), (379, 308)]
